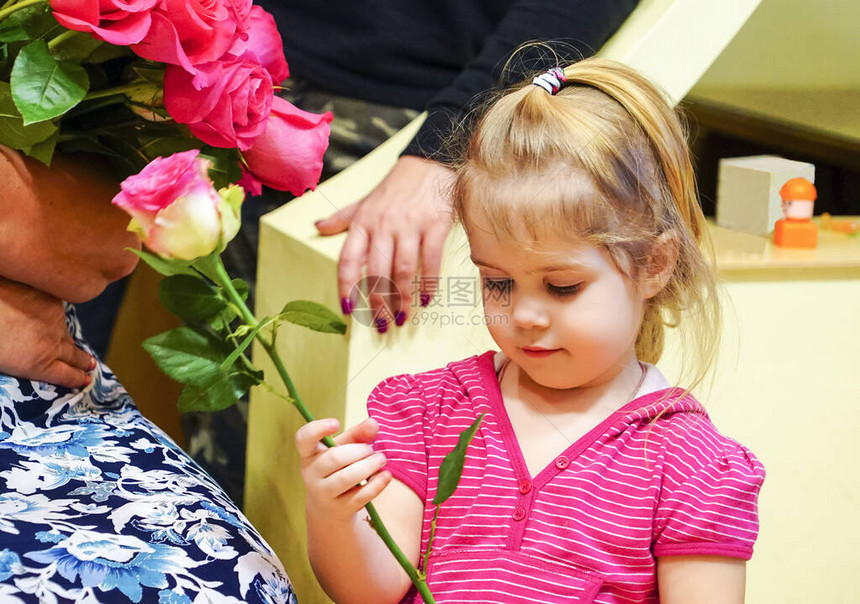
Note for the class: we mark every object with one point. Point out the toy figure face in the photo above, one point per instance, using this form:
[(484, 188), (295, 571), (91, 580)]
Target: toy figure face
[(797, 209), (564, 313)]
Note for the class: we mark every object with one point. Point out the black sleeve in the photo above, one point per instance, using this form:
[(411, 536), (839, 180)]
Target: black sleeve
[(576, 28)]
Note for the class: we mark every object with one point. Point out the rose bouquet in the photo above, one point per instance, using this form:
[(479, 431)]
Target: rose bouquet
[(138, 79)]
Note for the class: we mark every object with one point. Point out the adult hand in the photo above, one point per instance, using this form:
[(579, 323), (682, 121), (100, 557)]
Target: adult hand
[(36, 343), (332, 476), (59, 233), (402, 223)]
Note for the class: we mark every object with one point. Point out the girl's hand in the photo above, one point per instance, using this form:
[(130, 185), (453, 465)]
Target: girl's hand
[(334, 476), (36, 343)]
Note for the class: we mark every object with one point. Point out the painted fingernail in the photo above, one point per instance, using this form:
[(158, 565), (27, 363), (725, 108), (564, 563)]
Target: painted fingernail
[(425, 300), (381, 325), (87, 381), (400, 318), (92, 364), (346, 305)]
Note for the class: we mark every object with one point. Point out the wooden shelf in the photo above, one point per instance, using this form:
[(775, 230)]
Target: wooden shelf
[(739, 251)]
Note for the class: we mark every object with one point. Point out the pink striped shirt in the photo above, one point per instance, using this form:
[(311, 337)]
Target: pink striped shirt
[(589, 526)]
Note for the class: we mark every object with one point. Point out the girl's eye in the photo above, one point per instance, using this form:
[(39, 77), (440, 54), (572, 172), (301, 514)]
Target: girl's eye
[(565, 290), (498, 286)]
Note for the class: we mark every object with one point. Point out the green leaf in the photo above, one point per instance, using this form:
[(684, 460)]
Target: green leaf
[(190, 297), (313, 316), (11, 31), (187, 355), (39, 23), (452, 466), (241, 287), (43, 87), (13, 132), (221, 392), (217, 395), (225, 166), (221, 322), (166, 145), (150, 73), (164, 266), (77, 48), (44, 150), (20, 25), (108, 52), (228, 362)]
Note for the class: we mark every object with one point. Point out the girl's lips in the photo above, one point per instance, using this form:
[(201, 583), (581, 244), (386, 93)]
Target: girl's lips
[(539, 352)]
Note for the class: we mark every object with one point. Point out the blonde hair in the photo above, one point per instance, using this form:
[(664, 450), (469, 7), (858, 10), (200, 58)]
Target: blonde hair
[(604, 160)]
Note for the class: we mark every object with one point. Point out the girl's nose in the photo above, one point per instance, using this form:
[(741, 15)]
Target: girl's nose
[(529, 313)]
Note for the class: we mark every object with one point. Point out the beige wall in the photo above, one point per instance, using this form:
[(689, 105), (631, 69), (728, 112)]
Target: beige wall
[(806, 43)]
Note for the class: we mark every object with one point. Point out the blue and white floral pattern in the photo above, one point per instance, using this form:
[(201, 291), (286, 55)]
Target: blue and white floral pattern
[(99, 505)]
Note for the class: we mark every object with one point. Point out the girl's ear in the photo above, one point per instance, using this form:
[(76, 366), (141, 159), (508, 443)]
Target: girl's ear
[(661, 263)]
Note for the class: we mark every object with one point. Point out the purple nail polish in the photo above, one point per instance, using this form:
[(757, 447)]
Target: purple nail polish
[(425, 299), (381, 325), (400, 318), (346, 306)]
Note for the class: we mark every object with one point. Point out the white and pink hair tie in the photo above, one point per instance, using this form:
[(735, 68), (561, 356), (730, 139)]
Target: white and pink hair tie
[(551, 80)]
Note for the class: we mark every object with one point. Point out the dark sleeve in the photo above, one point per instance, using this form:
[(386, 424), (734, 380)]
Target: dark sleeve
[(577, 28)]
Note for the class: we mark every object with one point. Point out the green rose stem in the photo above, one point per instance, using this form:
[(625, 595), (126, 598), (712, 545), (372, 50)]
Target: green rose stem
[(100, 94), (8, 10), (60, 38), (213, 267)]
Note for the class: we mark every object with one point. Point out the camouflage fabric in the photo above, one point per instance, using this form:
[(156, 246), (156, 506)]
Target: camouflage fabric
[(217, 440)]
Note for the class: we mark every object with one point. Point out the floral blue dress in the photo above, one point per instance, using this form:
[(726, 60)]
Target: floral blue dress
[(99, 505)]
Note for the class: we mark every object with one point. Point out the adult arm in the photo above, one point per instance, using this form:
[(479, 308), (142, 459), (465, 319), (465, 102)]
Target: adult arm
[(349, 559), (402, 224), (701, 579), (59, 232), (572, 29)]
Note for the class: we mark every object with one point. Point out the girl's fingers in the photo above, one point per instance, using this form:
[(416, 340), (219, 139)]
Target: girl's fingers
[(348, 477), (362, 432), (361, 495), (338, 458), (308, 437)]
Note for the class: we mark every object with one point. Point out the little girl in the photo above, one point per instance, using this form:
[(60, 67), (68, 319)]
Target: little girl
[(590, 478)]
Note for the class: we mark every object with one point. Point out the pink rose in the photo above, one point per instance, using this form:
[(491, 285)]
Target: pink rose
[(120, 22), (225, 105), (192, 32), (175, 209), (242, 9), (264, 44), (288, 155)]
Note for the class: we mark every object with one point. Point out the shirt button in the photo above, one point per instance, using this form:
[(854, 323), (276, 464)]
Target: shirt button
[(525, 486), (519, 514), (561, 462)]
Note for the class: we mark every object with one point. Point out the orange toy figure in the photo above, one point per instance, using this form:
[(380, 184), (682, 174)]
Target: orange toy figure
[(796, 229)]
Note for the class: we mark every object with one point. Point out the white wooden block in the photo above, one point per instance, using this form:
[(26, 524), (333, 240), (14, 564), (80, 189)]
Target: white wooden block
[(748, 190)]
